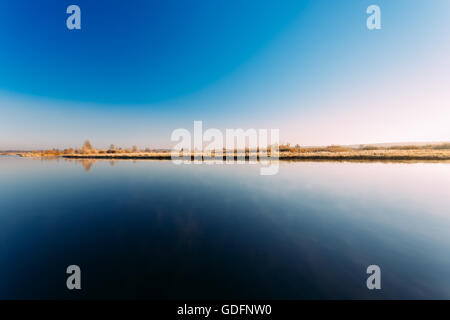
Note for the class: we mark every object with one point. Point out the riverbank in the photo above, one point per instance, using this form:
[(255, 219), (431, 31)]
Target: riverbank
[(312, 155)]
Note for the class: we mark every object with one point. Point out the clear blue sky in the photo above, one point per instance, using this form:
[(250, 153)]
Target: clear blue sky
[(139, 69)]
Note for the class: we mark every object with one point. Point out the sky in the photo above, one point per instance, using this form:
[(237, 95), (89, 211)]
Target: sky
[(139, 69)]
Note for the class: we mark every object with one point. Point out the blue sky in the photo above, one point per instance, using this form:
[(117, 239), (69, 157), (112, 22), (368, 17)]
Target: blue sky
[(137, 70)]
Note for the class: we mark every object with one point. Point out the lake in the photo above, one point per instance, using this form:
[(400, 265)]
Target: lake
[(152, 229)]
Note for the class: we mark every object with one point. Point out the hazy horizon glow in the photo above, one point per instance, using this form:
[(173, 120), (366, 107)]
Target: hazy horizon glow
[(312, 69)]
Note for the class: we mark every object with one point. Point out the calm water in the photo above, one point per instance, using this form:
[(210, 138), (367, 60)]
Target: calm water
[(151, 229)]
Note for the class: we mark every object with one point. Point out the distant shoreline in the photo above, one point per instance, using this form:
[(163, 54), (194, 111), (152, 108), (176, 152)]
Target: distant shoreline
[(356, 155), (428, 152)]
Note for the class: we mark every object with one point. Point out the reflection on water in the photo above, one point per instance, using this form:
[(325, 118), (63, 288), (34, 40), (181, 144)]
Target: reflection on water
[(86, 163), (151, 229)]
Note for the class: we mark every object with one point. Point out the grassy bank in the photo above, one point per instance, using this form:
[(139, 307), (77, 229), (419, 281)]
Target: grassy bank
[(428, 152), (397, 154)]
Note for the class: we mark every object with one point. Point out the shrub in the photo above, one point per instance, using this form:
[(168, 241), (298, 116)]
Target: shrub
[(368, 147)]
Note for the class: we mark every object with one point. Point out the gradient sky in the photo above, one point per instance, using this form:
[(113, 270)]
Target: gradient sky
[(137, 70)]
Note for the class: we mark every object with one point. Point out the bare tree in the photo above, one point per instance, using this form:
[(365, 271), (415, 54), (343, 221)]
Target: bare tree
[(87, 145)]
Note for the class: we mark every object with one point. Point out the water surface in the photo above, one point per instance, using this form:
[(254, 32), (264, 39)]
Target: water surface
[(151, 229)]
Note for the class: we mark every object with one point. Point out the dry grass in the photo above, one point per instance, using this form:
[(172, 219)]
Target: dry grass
[(368, 152), (301, 154), (364, 152), (377, 154)]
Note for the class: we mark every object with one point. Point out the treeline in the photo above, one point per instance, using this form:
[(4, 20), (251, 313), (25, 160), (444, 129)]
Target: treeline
[(335, 148), (442, 146), (87, 148), (298, 149)]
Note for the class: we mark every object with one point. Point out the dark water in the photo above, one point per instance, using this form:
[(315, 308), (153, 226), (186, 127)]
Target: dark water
[(155, 230)]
